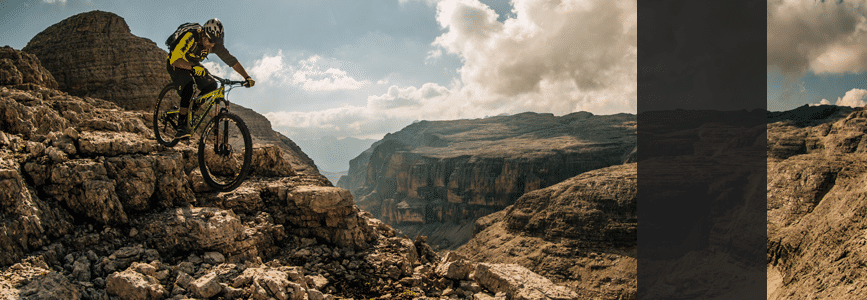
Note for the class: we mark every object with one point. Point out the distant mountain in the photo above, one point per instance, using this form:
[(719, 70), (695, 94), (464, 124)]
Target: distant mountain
[(333, 154)]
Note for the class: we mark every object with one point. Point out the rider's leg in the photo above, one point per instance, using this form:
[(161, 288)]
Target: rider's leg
[(184, 80)]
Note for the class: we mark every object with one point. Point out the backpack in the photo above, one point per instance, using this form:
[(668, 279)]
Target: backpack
[(173, 39)]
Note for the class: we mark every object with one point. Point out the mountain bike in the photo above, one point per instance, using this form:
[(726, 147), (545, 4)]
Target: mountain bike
[(225, 146)]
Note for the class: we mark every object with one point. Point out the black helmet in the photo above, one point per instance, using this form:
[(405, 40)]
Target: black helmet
[(214, 30)]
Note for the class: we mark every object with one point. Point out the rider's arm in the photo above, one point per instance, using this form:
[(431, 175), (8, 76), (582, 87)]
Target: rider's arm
[(240, 69), (229, 59), (178, 58)]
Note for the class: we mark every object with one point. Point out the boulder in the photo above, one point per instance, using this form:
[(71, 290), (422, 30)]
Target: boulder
[(133, 285), (520, 283)]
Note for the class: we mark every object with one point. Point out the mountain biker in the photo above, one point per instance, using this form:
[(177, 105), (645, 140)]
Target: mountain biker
[(185, 68)]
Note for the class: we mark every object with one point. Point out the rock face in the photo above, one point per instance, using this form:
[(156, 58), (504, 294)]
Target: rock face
[(580, 233), (94, 54), (93, 208), (20, 68), (436, 178), (100, 58), (815, 193)]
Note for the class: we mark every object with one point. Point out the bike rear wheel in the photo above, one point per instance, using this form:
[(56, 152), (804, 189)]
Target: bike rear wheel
[(166, 116), (225, 152)]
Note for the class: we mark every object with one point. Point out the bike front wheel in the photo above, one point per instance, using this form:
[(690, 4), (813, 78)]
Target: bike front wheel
[(225, 152), (166, 116)]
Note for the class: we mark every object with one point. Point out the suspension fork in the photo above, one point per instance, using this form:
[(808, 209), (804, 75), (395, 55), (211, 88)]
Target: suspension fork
[(221, 145)]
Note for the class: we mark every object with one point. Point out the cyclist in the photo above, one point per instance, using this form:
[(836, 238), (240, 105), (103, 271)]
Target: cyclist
[(185, 68)]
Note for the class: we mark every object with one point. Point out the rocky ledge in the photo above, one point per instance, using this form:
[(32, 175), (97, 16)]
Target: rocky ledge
[(580, 233)]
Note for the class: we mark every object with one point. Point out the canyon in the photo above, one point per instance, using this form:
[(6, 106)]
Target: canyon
[(435, 178)]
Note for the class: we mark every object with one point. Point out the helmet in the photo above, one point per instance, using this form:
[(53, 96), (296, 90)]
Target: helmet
[(214, 30)]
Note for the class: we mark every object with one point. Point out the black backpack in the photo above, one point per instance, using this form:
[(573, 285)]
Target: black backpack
[(173, 39)]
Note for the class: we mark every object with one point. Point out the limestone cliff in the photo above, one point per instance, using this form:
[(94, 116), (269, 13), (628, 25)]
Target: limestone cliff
[(436, 178), (580, 233), (816, 203)]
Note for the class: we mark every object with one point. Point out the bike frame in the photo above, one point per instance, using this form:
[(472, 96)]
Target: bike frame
[(213, 102)]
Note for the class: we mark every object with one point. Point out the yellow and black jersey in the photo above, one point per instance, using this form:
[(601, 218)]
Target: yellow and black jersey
[(190, 49)]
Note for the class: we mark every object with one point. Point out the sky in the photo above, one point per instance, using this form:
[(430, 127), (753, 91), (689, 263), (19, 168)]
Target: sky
[(817, 53), (366, 68)]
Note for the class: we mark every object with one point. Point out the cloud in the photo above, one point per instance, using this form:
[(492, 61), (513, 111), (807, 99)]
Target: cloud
[(823, 102), (271, 68), (822, 37), (409, 97), (853, 98), (590, 44), (312, 74), (311, 77), (54, 1)]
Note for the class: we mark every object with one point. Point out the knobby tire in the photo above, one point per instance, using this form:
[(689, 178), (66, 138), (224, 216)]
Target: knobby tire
[(220, 171), (165, 126)]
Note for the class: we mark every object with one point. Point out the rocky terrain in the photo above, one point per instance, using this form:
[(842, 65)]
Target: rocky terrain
[(93, 208), (816, 204), (580, 233), (437, 178), (102, 59)]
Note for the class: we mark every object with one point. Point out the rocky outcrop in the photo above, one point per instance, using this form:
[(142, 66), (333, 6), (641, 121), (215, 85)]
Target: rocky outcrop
[(815, 207), (93, 208), (20, 69), (580, 233), (100, 58), (436, 178)]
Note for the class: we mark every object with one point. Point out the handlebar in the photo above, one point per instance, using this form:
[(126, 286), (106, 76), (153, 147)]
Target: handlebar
[(227, 81)]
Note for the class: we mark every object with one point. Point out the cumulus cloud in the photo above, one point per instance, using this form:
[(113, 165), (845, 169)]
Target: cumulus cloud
[(590, 44), (822, 37), (853, 98)]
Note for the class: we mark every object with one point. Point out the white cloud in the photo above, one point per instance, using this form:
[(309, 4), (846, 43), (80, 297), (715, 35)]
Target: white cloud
[(822, 37), (823, 102), (433, 56), (271, 68), (576, 49), (853, 98), (54, 1), (311, 77)]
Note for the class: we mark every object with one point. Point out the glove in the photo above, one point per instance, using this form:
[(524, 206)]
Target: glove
[(250, 82), (199, 71)]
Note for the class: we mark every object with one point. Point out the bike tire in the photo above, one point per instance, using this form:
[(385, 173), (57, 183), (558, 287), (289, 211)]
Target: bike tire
[(165, 122), (225, 168)]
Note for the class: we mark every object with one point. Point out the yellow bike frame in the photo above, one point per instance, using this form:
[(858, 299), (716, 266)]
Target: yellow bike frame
[(210, 100)]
